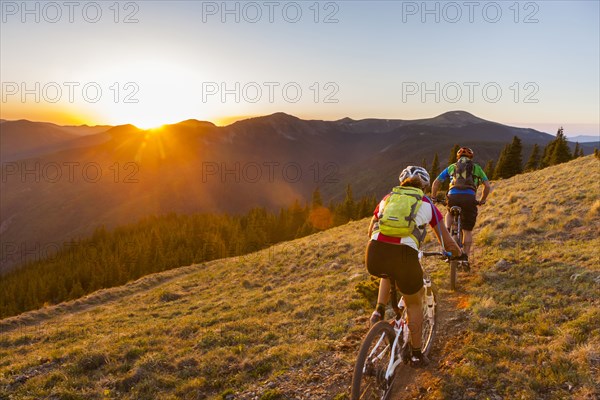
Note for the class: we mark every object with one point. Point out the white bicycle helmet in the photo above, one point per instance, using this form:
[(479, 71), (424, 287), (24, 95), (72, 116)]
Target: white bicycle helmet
[(412, 171)]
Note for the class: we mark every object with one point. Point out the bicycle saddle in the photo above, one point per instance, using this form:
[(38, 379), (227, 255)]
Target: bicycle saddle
[(455, 210)]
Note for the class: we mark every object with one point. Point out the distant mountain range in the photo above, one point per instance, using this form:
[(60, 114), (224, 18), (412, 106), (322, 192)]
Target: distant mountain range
[(23, 139), (585, 139), (60, 183)]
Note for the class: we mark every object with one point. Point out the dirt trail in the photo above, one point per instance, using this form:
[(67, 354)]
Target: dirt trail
[(411, 383)]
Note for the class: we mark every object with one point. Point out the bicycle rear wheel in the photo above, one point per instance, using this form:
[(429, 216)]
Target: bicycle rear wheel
[(368, 380)]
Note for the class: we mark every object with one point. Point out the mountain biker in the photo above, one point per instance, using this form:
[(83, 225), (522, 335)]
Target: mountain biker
[(466, 176), (397, 257)]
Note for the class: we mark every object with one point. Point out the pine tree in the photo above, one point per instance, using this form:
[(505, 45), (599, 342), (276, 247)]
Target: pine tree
[(317, 200), (561, 152), (76, 291), (534, 159), (501, 170), (453, 152), (578, 152), (424, 163), (366, 206), (489, 169), (435, 167), (297, 218), (372, 203), (510, 162), (557, 151), (516, 157), (348, 207), (596, 153), (548, 149)]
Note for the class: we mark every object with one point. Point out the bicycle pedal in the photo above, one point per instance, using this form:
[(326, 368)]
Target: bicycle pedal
[(370, 371)]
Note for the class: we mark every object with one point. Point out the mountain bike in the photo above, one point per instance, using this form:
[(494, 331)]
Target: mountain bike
[(457, 234), (387, 345)]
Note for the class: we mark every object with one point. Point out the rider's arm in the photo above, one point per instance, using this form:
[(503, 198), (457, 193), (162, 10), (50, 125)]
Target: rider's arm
[(435, 188), (371, 226), (437, 183), (487, 188), (448, 243)]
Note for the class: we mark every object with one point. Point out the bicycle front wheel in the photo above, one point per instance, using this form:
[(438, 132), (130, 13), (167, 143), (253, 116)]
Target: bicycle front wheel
[(454, 265), (368, 381), (429, 320), (453, 268)]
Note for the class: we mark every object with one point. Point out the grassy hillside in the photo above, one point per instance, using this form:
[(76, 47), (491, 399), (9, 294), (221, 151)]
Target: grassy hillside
[(286, 322), (197, 331), (158, 243), (533, 329)]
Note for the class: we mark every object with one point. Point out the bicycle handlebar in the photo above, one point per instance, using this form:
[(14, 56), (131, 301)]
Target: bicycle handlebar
[(445, 203), (444, 254), (436, 253)]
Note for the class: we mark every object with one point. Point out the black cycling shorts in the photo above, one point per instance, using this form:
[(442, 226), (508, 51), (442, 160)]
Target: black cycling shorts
[(468, 205), (396, 261)]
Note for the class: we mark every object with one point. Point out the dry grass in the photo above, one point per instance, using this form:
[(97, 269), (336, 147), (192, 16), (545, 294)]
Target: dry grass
[(198, 331), (270, 324), (535, 329)]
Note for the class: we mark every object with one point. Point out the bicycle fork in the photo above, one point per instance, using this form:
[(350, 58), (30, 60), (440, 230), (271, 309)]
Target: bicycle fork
[(430, 301), (401, 329)]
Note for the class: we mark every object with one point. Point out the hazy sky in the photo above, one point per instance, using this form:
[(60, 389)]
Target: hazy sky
[(534, 64)]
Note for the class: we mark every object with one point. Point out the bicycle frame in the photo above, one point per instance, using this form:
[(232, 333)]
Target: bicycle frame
[(393, 362), (400, 327), (400, 324)]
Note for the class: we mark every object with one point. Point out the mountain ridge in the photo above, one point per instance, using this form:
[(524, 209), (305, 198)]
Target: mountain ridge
[(195, 166), (447, 118), (585, 139)]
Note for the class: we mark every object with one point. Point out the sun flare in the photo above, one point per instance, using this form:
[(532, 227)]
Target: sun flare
[(149, 126)]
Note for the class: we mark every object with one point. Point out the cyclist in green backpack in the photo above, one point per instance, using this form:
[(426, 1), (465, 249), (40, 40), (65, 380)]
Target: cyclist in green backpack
[(465, 177), (397, 231)]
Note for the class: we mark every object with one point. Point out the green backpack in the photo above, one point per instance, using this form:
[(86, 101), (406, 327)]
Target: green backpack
[(397, 219)]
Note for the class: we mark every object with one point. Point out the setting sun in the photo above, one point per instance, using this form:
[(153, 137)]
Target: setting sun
[(149, 125)]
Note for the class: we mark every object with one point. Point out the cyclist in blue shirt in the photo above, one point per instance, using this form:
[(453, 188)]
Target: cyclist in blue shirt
[(465, 177)]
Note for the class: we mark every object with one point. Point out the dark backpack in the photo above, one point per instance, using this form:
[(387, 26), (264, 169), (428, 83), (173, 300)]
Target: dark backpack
[(463, 174)]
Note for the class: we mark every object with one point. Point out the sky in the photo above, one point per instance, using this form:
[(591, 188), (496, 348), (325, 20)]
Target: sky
[(530, 64)]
